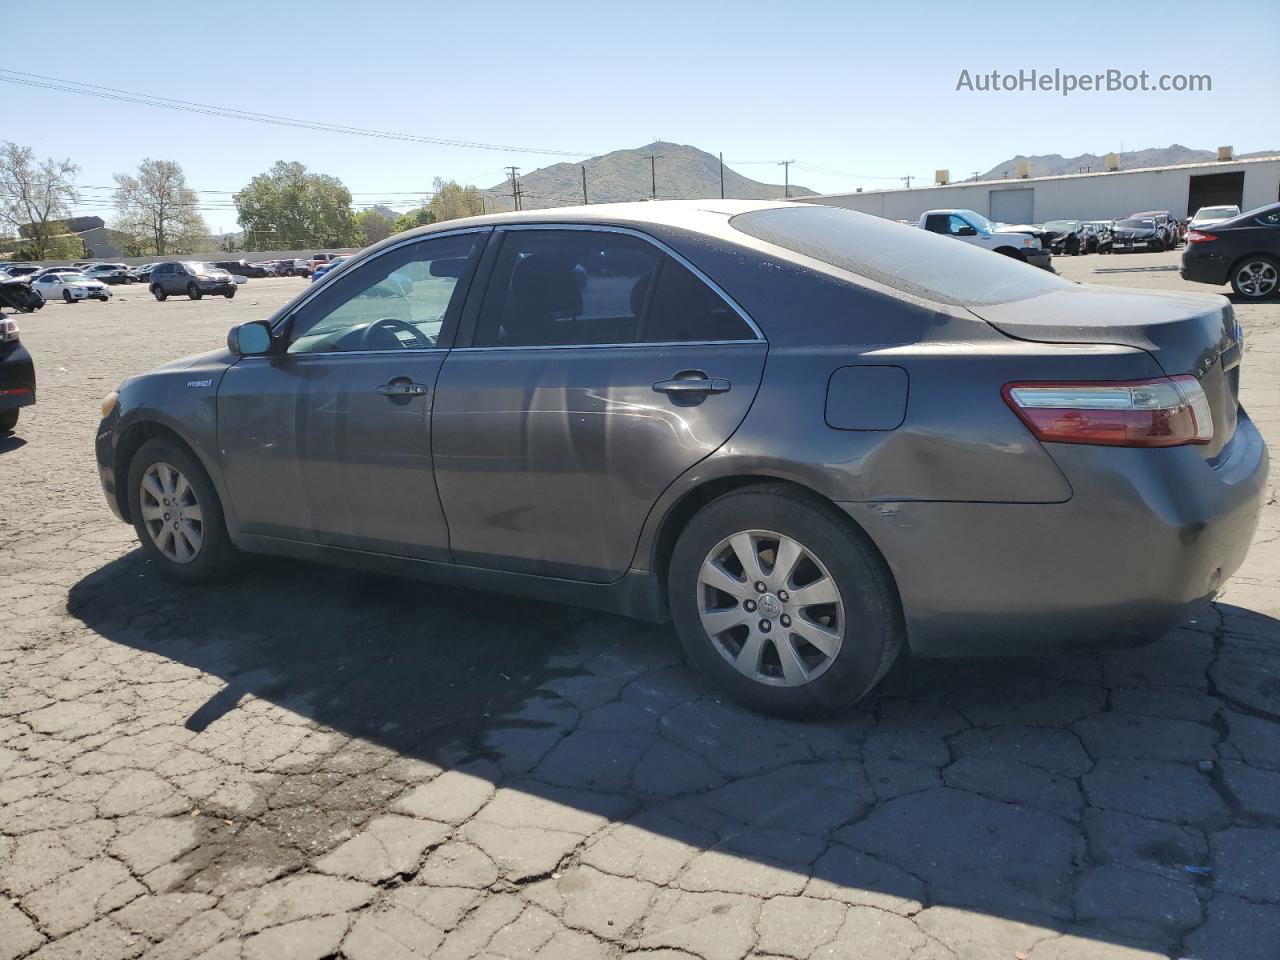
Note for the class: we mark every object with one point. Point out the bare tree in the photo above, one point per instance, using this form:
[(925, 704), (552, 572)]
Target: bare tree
[(35, 198), (158, 209)]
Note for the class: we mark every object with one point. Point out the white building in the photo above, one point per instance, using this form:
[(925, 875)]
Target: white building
[(1181, 189)]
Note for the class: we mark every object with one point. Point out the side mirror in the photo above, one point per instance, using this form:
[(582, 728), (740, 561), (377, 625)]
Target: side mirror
[(966, 231), (249, 339)]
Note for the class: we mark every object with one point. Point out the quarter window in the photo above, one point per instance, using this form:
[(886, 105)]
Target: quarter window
[(685, 309), (398, 300)]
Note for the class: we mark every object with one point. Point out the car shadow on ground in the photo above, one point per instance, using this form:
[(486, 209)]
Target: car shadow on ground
[(1043, 790), (10, 442)]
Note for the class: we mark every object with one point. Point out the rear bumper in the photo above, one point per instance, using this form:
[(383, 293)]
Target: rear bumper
[(1200, 265), (1145, 535), (17, 378)]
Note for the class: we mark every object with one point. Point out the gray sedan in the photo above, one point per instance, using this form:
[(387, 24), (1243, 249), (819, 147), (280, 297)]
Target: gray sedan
[(806, 436)]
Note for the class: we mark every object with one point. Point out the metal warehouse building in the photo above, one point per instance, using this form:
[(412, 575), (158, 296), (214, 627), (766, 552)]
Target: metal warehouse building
[(1181, 189)]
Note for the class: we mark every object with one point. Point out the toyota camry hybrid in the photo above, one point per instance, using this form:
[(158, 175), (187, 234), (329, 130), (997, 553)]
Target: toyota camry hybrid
[(806, 436)]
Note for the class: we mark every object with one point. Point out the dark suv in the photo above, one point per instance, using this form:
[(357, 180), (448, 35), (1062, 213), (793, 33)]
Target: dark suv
[(241, 267), (193, 279)]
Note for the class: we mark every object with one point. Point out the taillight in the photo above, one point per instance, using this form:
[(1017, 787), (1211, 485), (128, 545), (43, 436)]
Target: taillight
[(1199, 236), (8, 331), (1163, 412)]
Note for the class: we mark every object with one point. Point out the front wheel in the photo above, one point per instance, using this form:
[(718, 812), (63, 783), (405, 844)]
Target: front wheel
[(1256, 277), (230, 293), (158, 292), (193, 291), (177, 514), (66, 295), (8, 420), (783, 602)]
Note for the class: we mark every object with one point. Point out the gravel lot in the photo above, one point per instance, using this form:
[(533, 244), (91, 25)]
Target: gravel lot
[(310, 763)]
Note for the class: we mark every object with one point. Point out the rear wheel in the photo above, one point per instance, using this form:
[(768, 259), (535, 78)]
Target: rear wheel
[(1256, 277), (8, 420), (66, 295), (177, 514), (783, 602), (158, 292), (193, 291)]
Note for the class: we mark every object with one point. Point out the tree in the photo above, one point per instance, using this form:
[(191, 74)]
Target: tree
[(287, 207), (35, 198), (414, 218), (158, 210), (451, 201), (374, 226)]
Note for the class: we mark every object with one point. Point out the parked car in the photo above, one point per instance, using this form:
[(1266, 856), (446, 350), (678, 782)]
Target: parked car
[(1166, 225), (618, 441), (141, 273), (974, 228), (241, 269), (318, 259), (22, 269), (1065, 236), (69, 286), (109, 273), (1209, 216), (1243, 251), (325, 267), (1136, 233), (16, 294), (193, 279), (17, 376), (1096, 236)]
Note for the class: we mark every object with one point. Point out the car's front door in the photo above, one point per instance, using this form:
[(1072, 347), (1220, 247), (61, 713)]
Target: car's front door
[(600, 369), (329, 440)]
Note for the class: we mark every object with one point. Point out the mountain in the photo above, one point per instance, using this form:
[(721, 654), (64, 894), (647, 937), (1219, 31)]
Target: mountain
[(1055, 164), (682, 172)]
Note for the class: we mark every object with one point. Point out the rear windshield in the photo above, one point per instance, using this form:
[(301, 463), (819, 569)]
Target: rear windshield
[(908, 259)]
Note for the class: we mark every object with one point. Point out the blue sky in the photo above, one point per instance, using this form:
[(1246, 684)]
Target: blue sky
[(858, 94)]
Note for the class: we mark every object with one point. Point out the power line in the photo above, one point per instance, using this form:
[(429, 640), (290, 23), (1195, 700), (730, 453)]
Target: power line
[(188, 106)]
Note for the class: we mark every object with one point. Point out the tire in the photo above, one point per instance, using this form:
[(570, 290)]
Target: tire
[(193, 291), (66, 295), (230, 293), (1256, 277), (8, 420), (834, 552), (104, 299), (1010, 252), (214, 554), (158, 292)]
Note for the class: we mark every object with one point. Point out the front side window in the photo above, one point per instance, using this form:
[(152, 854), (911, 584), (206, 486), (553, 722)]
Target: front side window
[(397, 300)]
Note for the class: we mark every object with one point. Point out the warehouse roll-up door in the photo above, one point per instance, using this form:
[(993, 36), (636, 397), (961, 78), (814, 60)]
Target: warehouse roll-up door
[(1215, 189), (1012, 206)]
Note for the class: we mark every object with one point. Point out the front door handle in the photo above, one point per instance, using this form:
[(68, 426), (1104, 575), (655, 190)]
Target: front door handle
[(689, 386), (402, 387)]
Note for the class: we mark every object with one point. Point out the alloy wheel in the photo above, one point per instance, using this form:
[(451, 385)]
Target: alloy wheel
[(171, 512), (1257, 278), (771, 608)]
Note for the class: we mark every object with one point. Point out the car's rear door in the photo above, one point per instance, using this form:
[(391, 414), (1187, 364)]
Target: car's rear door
[(330, 442), (597, 369)]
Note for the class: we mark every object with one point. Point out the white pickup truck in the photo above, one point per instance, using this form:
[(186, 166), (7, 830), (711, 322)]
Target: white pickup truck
[(973, 227)]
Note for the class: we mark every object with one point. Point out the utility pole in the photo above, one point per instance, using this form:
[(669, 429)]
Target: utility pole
[(786, 177), (721, 176), (907, 181), (653, 173), (514, 173), (584, 185)]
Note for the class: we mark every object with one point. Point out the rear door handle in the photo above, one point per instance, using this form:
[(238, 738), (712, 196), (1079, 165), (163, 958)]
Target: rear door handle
[(401, 387), (690, 386)]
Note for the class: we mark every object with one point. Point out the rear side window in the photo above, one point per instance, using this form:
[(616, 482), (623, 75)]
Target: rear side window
[(904, 258), (594, 287)]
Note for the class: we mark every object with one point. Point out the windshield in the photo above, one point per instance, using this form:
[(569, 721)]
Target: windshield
[(1206, 212), (1137, 224), (1062, 226), (904, 258), (978, 220)]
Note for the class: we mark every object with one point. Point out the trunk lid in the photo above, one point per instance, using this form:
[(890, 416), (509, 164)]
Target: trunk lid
[(1183, 332)]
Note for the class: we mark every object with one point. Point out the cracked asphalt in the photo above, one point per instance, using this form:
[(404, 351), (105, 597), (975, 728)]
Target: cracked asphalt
[(310, 763)]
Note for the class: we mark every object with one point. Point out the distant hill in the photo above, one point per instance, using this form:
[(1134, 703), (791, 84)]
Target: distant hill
[(1055, 164), (682, 172)]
